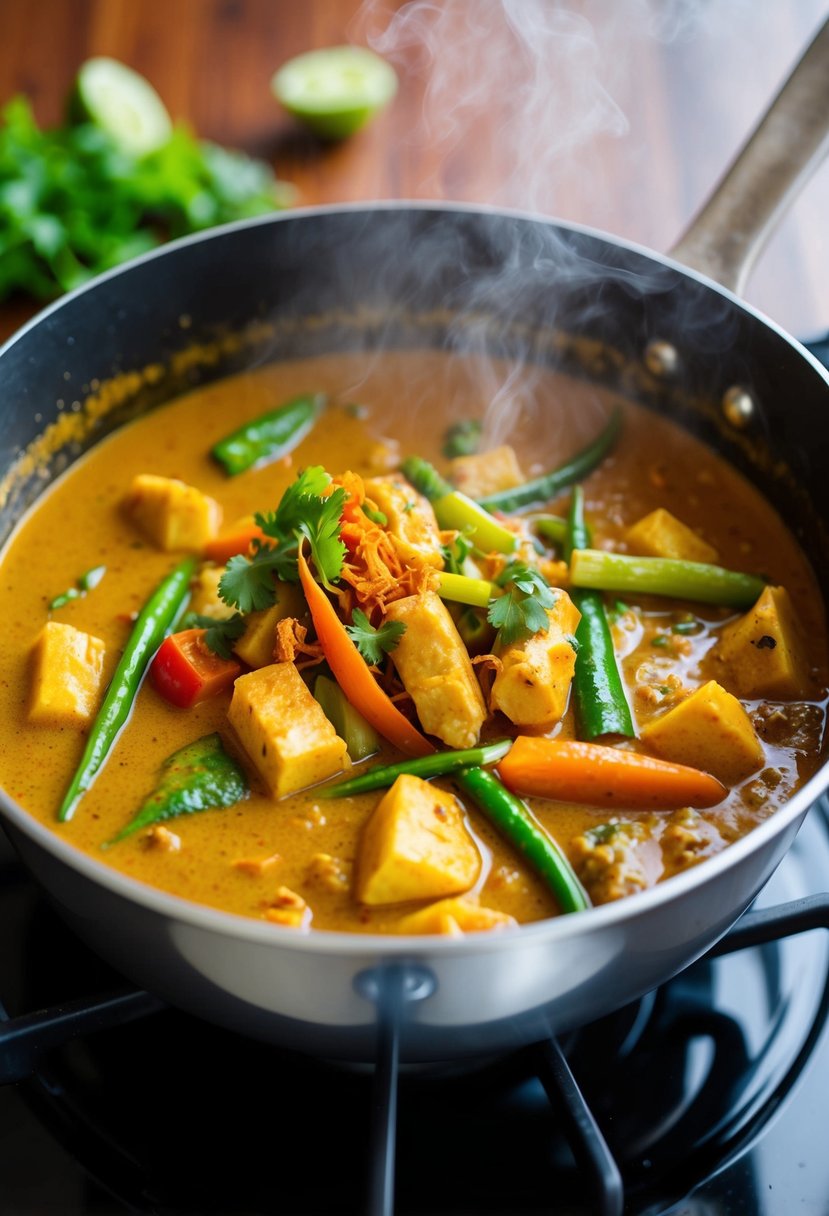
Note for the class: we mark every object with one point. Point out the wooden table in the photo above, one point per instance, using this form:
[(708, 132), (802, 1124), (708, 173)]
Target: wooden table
[(593, 117)]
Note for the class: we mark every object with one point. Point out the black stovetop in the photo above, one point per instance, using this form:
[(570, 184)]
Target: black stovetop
[(711, 1094)]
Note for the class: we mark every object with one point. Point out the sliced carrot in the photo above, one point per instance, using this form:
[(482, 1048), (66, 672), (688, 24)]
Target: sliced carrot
[(353, 674), (571, 771), (238, 539)]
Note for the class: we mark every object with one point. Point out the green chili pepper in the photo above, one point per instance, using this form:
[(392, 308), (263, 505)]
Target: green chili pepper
[(269, 436), (198, 777), (601, 704), (155, 618), (425, 766), (514, 821), (542, 489), (664, 576)]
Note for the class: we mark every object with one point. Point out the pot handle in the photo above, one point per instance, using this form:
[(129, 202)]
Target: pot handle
[(787, 145)]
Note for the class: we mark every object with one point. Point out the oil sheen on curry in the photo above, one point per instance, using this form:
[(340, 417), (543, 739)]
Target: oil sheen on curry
[(313, 645)]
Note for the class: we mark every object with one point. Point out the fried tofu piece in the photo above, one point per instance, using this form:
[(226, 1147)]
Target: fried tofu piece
[(173, 515), (708, 730), (533, 684), (204, 594), (454, 917), (661, 534), (410, 518), (67, 676), (436, 670), (486, 472), (283, 730), (764, 654), (415, 846), (256, 645)]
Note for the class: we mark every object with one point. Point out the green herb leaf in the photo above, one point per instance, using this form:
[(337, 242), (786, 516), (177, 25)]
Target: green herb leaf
[(374, 643), (220, 635), (522, 610), (247, 583)]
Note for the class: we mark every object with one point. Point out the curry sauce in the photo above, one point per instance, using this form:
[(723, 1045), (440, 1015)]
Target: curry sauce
[(243, 858)]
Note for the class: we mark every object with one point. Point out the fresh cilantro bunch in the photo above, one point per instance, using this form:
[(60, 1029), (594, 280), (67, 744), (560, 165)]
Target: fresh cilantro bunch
[(74, 202), (305, 513), (374, 643), (522, 610)]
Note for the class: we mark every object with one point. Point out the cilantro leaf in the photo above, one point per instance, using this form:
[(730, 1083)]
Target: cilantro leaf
[(522, 610), (374, 643), (455, 555), (247, 583), (220, 634)]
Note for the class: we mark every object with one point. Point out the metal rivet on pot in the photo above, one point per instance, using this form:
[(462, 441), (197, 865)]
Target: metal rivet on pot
[(739, 406), (661, 358)]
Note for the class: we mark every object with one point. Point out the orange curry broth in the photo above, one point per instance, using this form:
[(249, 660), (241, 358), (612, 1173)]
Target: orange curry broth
[(413, 397)]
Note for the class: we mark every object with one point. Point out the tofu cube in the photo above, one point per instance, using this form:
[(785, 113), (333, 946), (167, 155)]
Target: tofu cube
[(661, 534), (415, 846), (709, 730), (283, 730), (436, 670), (533, 685), (763, 654), (173, 515), (410, 519), (454, 917), (67, 675), (486, 472), (255, 646), (204, 594)]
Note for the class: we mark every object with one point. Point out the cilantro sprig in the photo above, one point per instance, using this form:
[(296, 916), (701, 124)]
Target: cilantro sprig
[(522, 610), (374, 643), (305, 512), (220, 635)]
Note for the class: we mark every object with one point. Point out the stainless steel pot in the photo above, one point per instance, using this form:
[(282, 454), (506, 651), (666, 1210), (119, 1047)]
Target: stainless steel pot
[(350, 277)]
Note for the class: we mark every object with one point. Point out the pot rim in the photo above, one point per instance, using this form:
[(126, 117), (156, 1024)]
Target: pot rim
[(234, 925)]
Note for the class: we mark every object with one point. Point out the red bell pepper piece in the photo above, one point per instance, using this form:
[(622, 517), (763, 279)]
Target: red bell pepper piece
[(185, 670)]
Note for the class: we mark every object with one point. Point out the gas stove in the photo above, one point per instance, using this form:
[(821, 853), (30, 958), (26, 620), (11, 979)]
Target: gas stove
[(707, 1096)]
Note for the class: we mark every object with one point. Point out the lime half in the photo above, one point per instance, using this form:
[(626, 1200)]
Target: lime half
[(121, 102), (336, 90)]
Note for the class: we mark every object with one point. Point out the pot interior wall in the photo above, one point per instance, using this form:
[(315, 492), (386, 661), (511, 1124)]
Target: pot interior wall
[(394, 277)]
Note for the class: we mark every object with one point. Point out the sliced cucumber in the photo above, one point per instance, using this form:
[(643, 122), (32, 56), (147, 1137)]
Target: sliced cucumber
[(121, 102), (336, 90)]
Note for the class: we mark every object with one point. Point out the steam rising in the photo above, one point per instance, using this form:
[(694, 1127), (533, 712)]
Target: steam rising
[(550, 74)]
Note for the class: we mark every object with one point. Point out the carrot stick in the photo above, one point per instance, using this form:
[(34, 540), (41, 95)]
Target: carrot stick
[(238, 540), (572, 771), (353, 674)]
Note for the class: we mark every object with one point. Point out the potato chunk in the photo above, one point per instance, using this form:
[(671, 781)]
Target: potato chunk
[(172, 514), (436, 670), (454, 917), (256, 645), (67, 673), (204, 594), (410, 518), (709, 730), (661, 534), (288, 738), (763, 654), (486, 472), (415, 846), (533, 684)]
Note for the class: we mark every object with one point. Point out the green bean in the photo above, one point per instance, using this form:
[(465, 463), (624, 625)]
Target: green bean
[(515, 822), (601, 705), (270, 436), (664, 576), (456, 510), (155, 618), (424, 766), (552, 527), (543, 488)]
